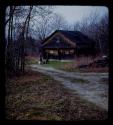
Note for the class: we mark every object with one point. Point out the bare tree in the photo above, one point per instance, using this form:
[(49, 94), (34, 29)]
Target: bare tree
[(95, 27), (60, 23), (10, 44), (43, 22), (103, 34), (19, 20), (9, 60), (24, 37), (47, 24)]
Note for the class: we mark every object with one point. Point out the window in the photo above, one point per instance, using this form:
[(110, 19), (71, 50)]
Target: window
[(71, 51), (58, 40), (67, 52), (51, 51)]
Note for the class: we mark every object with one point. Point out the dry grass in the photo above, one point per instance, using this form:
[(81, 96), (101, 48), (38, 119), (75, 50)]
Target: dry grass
[(95, 69), (71, 68), (32, 60), (35, 96), (84, 60)]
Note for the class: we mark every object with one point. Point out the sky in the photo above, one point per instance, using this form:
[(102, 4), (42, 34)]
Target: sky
[(77, 13), (73, 14)]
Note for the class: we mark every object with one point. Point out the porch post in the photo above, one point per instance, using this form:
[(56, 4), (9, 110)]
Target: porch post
[(59, 56)]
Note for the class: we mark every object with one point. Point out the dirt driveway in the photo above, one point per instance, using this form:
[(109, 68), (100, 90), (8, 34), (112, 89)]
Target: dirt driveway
[(90, 86)]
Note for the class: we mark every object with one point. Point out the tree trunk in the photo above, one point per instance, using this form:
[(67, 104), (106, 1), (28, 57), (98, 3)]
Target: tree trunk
[(24, 38)]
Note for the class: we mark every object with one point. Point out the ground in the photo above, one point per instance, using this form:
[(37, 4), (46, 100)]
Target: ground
[(66, 65), (91, 86), (35, 96), (47, 93)]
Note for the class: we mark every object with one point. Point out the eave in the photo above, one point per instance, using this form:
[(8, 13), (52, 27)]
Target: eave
[(63, 36)]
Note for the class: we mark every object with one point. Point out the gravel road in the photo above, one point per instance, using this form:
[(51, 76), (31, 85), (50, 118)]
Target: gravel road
[(88, 85)]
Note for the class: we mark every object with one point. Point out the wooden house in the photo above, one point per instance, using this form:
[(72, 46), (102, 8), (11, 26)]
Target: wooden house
[(67, 44)]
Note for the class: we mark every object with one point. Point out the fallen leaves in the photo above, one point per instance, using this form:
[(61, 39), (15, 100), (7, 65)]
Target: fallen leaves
[(34, 96)]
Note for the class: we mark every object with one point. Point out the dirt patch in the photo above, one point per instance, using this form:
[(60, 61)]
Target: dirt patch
[(76, 80)]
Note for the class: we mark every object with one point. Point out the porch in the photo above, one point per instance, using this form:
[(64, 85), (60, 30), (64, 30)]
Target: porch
[(60, 53)]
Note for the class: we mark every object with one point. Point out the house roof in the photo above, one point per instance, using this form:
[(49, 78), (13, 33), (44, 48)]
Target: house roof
[(75, 36)]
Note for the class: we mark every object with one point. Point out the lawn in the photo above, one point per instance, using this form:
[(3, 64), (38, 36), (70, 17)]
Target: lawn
[(57, 64), (34, 96), (69, 66)]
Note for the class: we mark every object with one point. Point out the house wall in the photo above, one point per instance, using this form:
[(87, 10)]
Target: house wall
[(59, 46), (60, 53)]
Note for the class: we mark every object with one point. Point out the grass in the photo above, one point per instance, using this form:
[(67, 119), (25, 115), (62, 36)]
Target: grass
[(96, 69), (71, 67), (32, 60), (34, 96), (65, 66), (56, 64)]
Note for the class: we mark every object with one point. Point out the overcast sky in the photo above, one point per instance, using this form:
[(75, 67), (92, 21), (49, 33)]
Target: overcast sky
[(76, 13)]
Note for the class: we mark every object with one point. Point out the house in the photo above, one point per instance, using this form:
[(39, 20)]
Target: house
[(67, 44)]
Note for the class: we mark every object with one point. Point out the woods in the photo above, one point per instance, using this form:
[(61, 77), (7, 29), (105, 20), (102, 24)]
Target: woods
[(18, 24), (97, 28), (27, 26)]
